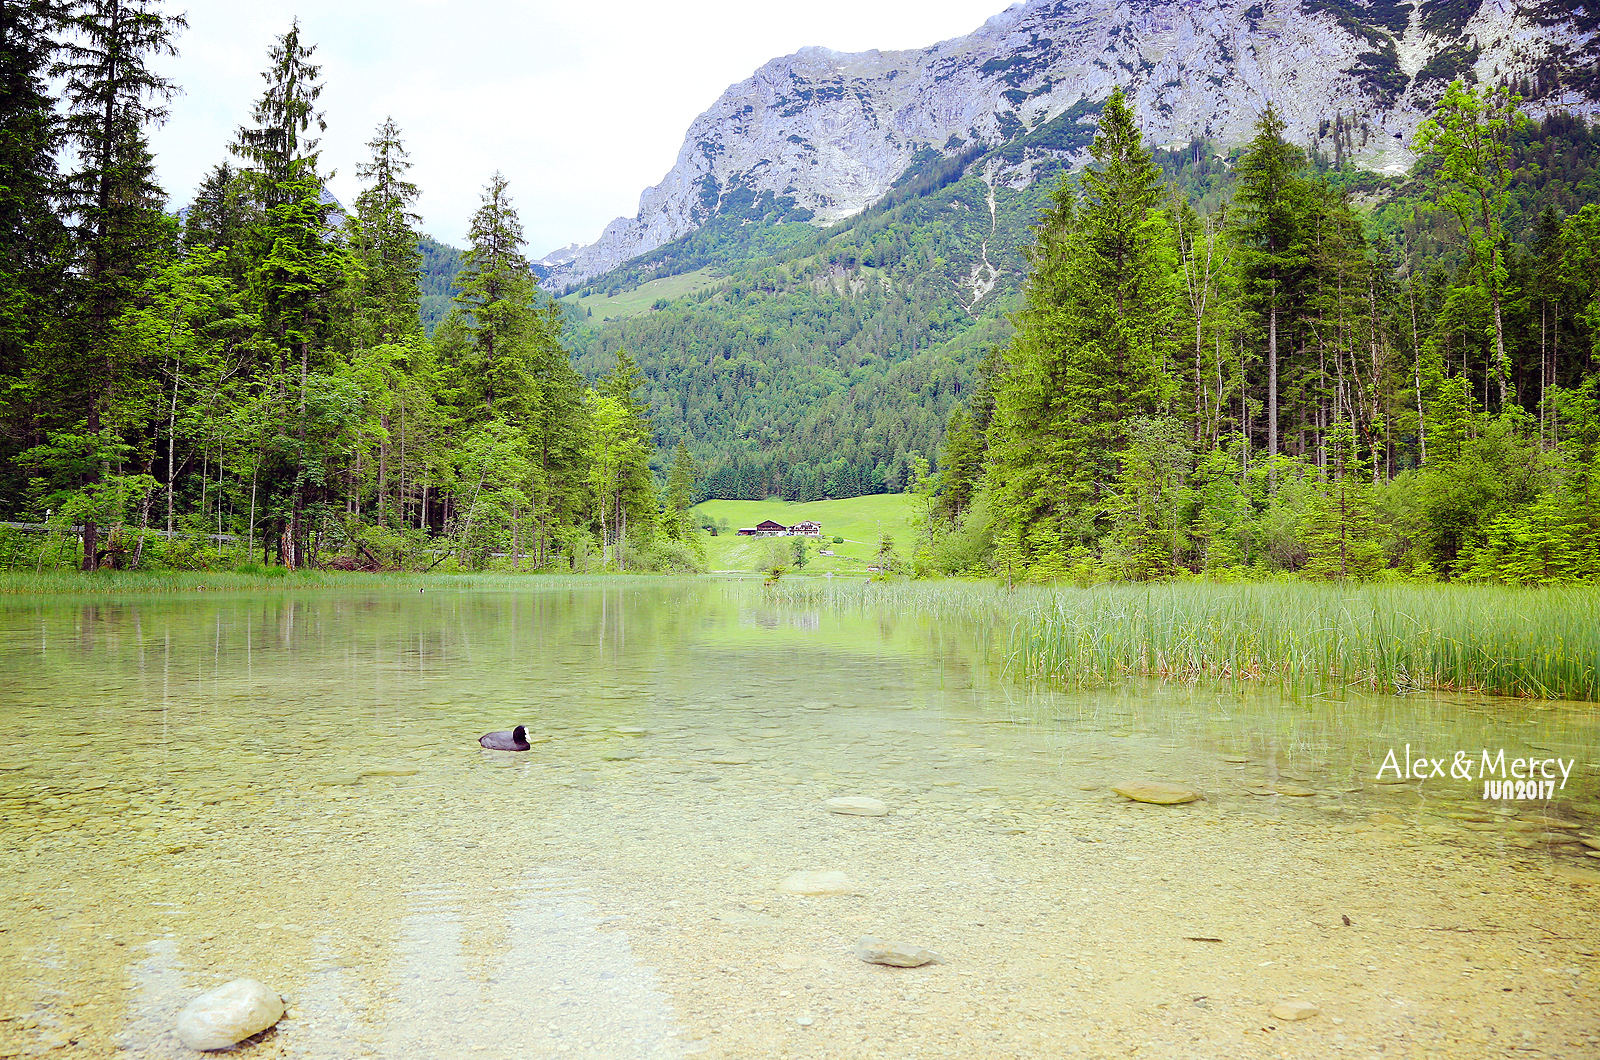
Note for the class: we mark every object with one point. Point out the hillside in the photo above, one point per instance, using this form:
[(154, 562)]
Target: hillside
[(815, 362)]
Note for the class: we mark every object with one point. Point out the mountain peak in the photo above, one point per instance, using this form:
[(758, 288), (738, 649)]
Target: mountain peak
[(820, 135)]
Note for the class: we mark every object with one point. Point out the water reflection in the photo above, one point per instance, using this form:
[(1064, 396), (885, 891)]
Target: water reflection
[(289, 787)]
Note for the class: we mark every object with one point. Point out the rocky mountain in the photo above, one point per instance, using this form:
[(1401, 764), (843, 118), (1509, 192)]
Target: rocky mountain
[(818, 136)]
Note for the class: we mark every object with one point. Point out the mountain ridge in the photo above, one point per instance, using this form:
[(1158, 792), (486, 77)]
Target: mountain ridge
[(818, 136)]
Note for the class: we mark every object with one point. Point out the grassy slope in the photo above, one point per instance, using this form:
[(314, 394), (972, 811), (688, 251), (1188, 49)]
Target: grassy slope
[(859, 520), (641, 298)]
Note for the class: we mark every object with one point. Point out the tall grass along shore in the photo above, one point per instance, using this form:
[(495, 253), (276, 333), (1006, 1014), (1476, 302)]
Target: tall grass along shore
[(1541, 643)]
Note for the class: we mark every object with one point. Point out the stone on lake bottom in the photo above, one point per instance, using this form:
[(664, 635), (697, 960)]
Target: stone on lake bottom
[(1155, 791), (1295, 1010), (228, 1015), (812, 881), (894, 954), (857, 805)]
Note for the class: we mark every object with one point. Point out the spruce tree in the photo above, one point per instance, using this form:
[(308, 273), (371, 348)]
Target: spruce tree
[(297, 278), (636, 490), (277, 150), (679, 496), (1273, 201), (119, 230), (30, 136), (1094, 349), (494, 290), (385, 240)]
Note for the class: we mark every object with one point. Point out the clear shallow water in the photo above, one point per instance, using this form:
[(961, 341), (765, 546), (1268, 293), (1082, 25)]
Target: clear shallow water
[(289, 787)]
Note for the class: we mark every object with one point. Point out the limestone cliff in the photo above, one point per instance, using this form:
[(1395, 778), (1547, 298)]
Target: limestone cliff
[(818, 135)]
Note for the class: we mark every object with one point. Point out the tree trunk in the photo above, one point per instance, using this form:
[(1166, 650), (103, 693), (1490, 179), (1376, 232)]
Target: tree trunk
[(1272, 392)]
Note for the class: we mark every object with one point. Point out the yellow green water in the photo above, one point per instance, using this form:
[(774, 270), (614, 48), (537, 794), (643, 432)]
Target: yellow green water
[(289, 787)]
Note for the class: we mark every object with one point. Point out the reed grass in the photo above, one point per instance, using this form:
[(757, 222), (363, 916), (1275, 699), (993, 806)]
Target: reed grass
[(1542, 643)]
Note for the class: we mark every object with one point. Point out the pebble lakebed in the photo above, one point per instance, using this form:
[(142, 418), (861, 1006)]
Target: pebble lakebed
[(1070, 921), (615, 891)]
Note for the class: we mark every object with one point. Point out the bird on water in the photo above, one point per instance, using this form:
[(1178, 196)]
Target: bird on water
[(515, 740)]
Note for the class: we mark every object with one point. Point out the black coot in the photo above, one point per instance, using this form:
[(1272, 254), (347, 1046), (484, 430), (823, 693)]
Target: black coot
[(515, 740)]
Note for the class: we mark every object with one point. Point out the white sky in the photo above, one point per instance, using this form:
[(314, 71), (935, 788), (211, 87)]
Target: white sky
[(582, 106)]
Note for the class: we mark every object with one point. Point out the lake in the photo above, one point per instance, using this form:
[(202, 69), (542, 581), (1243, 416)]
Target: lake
[(288, 787)]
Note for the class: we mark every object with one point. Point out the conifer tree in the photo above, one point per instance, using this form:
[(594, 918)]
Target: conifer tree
[(385, 241), (1273, 202), (1093, 350), (494, 291), (635, 490), (679, 497), (297, 275), (277, 149), (221, 217), (1340, 542), (30, 135), (119, 232)]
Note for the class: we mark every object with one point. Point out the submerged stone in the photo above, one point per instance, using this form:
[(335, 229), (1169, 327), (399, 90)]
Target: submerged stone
[(857, 805), (1155, 791), (812, 881), (1295, 1010), (228, 1015), (894, 954)]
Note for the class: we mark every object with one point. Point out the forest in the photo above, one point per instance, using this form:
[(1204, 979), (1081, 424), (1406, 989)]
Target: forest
[(1168, 363), (252, 384), (1259, 391)]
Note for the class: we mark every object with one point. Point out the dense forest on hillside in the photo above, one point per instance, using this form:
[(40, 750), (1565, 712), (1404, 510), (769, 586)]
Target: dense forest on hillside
[(256, 380), (1263, 392), (822, 360)]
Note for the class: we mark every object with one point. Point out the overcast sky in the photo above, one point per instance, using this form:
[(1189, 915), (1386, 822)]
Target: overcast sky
[(581, 105)]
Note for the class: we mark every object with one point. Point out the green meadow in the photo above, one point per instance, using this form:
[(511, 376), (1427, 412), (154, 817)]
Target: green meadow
[(859, 520), (641, 298)]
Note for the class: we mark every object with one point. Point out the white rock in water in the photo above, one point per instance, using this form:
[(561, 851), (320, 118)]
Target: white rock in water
[(1295, 1010), (858, 805), (895, 954), (229, 1014), (811, 881)]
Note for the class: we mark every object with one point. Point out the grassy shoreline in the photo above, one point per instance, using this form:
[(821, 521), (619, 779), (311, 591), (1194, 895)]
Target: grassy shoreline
[(1537, 643), (133, 583)]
